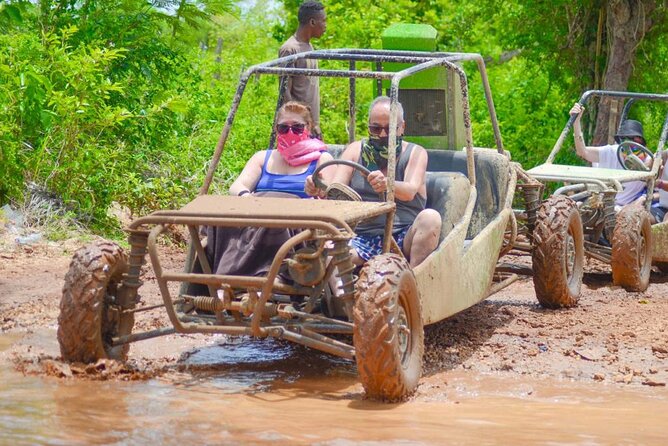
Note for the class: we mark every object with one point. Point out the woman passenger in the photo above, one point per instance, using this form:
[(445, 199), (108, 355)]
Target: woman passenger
[(280, 173), (296, 157)]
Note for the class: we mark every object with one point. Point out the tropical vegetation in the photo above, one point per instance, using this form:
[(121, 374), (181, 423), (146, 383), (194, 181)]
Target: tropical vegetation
[(123, 100)]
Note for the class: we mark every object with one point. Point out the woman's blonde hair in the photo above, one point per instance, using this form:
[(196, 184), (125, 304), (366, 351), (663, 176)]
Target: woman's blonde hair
[(300, 109)]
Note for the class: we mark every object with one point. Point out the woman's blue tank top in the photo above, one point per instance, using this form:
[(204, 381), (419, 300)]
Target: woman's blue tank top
[(294, 184)]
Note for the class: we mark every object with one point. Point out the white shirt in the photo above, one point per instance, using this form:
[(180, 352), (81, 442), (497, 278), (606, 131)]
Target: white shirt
[(663, 195), (607, 158)]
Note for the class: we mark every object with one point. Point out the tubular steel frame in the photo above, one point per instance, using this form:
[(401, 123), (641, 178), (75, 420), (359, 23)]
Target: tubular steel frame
[(296, 326)]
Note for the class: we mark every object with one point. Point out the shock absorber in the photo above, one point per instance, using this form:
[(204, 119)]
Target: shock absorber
[(532, 194), (344, 270), (127, 294), (609, 216)]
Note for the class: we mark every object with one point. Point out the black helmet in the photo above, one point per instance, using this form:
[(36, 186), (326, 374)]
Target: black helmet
[(629, 129)]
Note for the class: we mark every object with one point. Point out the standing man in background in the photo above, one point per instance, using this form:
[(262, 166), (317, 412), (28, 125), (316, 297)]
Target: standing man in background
[(306, 89)]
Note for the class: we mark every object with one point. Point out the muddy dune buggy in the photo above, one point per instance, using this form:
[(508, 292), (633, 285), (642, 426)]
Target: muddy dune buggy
[(377, 315), (585, 197)]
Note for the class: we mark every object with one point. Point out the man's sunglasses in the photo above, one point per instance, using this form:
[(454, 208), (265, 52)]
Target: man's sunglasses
[(297, 129), (378, 129)]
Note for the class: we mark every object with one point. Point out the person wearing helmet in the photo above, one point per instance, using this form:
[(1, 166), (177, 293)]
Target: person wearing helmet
[(606, 156)]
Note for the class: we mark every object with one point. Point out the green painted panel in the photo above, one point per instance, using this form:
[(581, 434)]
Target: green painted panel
[(413, 37), (428, 142), (409, 36)]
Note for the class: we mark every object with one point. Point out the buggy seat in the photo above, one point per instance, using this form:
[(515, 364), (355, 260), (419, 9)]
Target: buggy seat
[(447, 193), (492, 175)]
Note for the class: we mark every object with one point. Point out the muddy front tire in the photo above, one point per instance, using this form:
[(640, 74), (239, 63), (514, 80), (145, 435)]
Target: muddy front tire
[(632, 248), (558, 253), (388, 334), (88, 317)]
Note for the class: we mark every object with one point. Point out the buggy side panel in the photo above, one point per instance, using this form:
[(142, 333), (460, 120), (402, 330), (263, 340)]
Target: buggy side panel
[(458, 274), (660, 242)]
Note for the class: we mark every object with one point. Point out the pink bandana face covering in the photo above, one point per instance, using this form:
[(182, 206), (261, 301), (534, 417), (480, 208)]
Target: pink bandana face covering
[(299, 149)]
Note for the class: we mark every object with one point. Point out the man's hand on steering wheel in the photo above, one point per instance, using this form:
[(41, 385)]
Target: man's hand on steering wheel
[(340, 191), (378, 181)]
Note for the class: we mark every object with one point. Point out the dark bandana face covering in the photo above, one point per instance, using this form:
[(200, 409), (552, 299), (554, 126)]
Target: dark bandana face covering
[(375, 152)]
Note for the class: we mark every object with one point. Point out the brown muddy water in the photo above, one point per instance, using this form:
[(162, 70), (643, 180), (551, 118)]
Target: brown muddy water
[(241, 391)]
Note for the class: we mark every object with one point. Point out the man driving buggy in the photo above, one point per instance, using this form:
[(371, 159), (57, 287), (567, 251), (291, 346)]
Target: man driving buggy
[(415, 229), (606, 156)]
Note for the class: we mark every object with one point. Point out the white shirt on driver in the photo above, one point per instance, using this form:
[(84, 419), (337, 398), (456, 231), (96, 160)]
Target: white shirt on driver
[(607, 159)]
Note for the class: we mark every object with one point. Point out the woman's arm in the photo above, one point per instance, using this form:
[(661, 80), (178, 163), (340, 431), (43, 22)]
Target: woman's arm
[(327, 174), (336, 174), (250, 175)]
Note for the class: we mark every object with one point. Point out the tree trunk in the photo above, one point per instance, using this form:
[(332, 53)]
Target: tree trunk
[(628, 22)]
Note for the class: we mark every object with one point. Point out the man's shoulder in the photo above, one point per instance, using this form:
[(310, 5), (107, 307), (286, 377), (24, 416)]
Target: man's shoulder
[(293, 46), (607, 156), (354, 145), (608, 150), (352, 148), (290, 46), (415, 145), (417, 149)]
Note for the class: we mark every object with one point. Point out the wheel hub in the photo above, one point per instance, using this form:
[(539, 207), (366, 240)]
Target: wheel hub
[(642, 250), (403, 332), (570, 256)]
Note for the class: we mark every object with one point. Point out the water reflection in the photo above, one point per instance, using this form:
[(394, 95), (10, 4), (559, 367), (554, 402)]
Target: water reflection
[(248, 365), (258, 392)]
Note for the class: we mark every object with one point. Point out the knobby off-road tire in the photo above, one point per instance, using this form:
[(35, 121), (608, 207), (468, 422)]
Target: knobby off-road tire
[(632, 248), (558, 253), (388, 334), (88, 319)]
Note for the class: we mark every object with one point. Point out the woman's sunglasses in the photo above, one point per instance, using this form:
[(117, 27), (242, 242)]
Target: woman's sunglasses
[(297, 129)]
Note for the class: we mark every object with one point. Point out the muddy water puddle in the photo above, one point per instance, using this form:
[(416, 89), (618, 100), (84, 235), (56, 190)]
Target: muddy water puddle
[(240, 391)]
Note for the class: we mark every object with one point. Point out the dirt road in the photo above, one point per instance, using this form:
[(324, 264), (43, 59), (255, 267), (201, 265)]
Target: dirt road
[(612, 337), (503, 372)]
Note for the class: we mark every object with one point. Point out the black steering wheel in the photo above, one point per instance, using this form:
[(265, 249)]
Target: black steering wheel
[(339, 191), (627, 155)]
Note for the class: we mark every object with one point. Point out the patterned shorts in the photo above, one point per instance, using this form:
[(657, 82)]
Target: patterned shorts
[(368, 246), (658, 211)]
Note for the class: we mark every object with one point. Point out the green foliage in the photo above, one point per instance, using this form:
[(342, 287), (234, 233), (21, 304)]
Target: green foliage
[(103, 104), (123, 100)]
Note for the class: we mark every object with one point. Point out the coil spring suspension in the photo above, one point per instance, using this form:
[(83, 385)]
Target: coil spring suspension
[(532, 198), (208, 303), (136, 259), (609, 216)]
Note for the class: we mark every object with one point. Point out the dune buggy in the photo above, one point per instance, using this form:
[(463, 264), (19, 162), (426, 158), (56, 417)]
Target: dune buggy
[(383, 307), (621, 238)]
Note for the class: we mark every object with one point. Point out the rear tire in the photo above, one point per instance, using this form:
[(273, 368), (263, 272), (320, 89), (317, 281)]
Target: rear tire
[(558, 253), (88, 318), (388, 334), (632, 248)]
